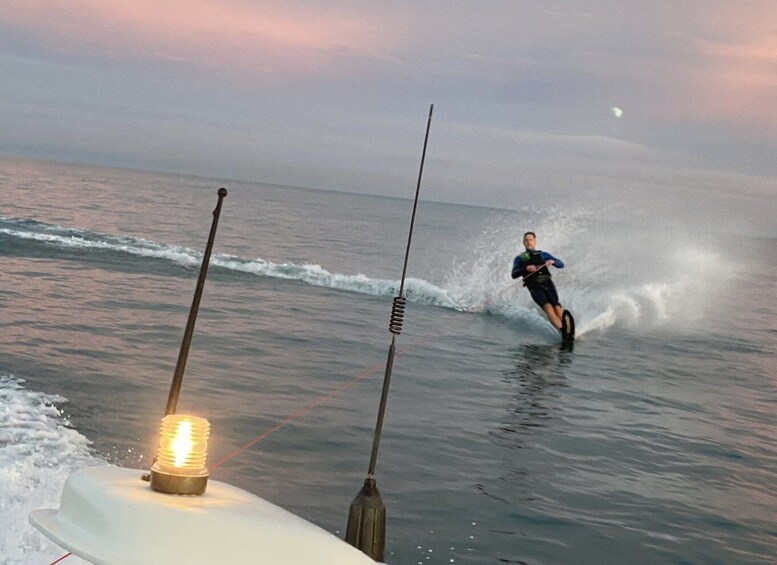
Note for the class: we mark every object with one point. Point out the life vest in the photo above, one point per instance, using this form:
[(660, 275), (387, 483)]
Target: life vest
[(535, 258)]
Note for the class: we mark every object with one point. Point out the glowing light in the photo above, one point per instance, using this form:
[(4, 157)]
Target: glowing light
[(182, 444), (183, 450), (617, 112)]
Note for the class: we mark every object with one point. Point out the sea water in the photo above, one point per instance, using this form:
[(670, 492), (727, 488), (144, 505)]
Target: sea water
[(652, 440)]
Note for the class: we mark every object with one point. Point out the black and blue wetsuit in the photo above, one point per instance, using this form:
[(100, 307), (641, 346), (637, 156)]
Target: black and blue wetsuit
[(540, 285)]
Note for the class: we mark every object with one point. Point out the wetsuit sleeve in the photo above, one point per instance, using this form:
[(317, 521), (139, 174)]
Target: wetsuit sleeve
[(559, 264), (519, 270)]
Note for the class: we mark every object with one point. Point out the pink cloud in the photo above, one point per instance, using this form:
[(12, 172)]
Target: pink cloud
[(261, 37), (732, 77)]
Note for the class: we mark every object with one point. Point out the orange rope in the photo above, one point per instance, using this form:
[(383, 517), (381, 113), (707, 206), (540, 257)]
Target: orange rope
[(61, 558), (307, 408), (343, 388)]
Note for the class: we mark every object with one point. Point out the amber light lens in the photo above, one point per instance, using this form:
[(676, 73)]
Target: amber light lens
[(183, 445), (183, 452)]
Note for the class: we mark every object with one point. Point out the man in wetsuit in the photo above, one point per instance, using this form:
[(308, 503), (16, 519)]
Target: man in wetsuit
[(532, 265)]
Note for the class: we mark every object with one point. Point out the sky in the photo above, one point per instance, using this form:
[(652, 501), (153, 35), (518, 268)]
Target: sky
[(670, 103)]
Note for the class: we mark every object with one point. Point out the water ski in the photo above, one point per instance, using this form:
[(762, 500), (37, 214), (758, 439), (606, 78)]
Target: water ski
[(567, 326)]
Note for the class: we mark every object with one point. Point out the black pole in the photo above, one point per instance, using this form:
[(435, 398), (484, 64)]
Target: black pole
[(382, 408), (415, 200), (183, 354), (366, 528), (395, 332)]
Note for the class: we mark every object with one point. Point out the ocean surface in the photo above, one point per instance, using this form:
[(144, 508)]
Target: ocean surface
[(652, 440)]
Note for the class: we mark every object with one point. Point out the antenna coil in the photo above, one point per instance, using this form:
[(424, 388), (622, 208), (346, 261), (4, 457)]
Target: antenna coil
[(397, 315)]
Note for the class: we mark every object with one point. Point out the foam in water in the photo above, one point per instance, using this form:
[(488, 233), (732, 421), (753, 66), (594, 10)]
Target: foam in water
[(37, 453)]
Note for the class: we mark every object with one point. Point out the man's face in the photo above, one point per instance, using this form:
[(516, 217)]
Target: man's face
[(529, 242)]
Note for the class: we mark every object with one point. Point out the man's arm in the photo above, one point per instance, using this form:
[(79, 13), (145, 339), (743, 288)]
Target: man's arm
[(558, 263), (518, 269)]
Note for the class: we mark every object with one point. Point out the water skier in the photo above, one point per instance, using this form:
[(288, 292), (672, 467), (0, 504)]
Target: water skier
[(532, 267)]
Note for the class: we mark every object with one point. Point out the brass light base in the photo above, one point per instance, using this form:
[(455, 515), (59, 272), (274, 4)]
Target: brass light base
[(177, 484)]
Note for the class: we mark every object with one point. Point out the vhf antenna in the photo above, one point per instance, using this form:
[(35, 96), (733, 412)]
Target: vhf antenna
[(367, 514)]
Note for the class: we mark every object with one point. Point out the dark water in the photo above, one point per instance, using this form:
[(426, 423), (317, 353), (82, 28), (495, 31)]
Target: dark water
[(651, 441)]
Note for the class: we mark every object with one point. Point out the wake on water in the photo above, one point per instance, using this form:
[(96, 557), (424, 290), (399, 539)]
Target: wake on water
[(417, 290), (614, 275), (38, 450)]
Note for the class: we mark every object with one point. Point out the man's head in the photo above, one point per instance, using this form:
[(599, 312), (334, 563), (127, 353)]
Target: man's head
[(529, 240)]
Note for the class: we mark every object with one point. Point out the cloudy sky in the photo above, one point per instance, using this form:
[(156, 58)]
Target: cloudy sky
[(535, 101)]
